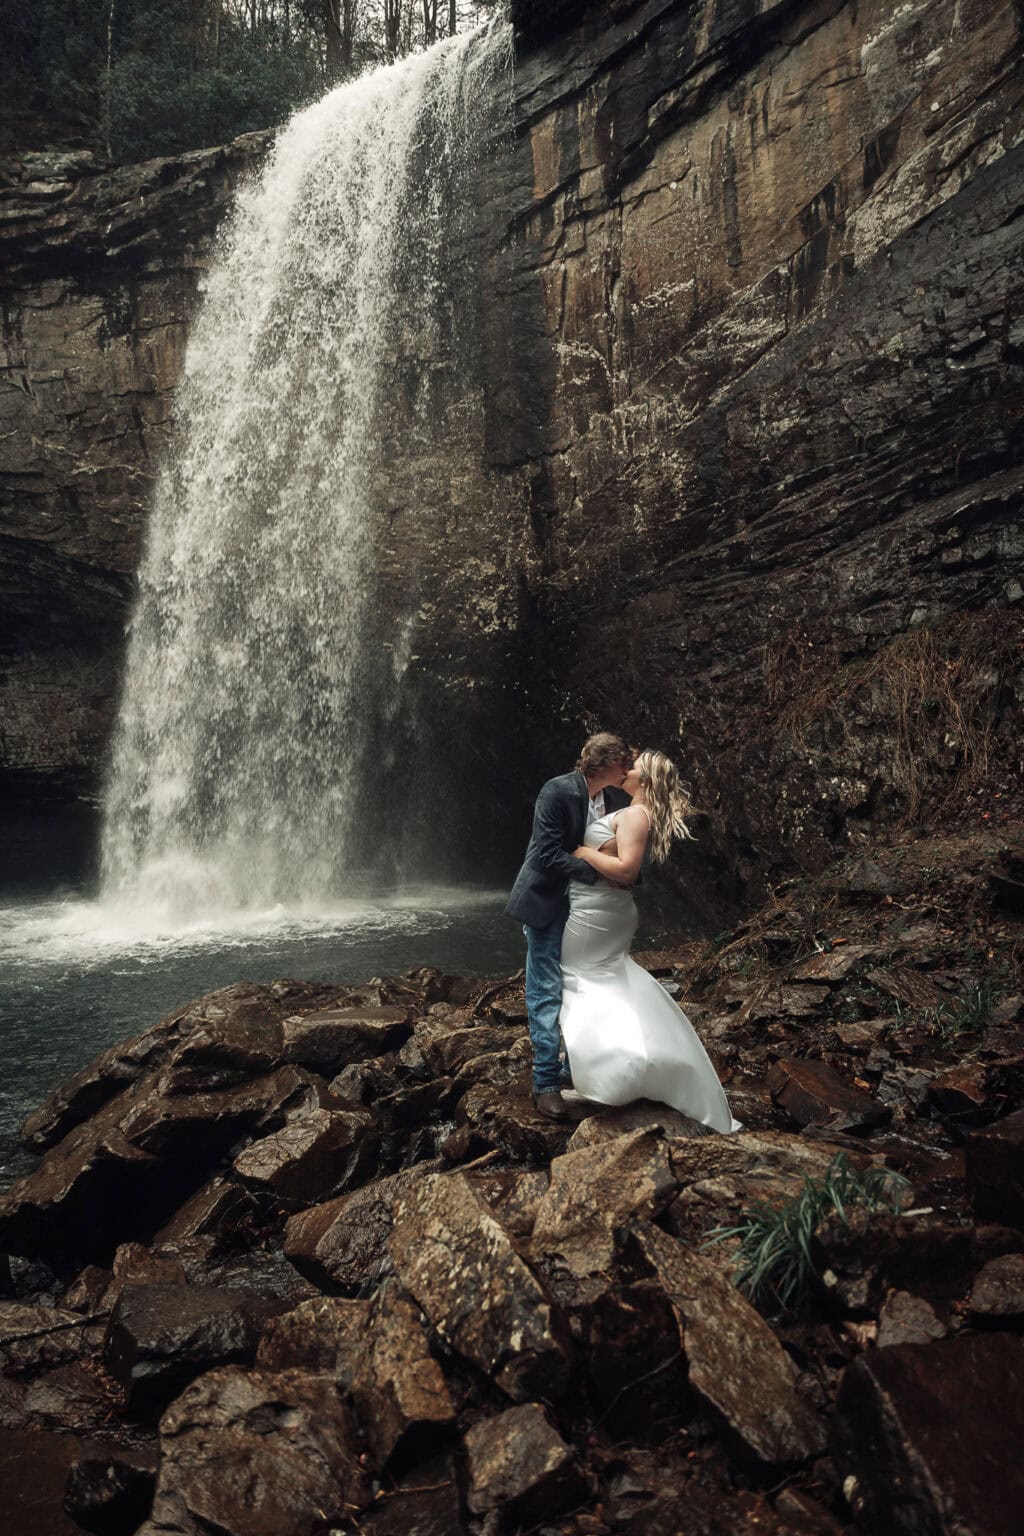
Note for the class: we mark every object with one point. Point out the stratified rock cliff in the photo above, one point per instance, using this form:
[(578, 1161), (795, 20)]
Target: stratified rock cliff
[(99, 277), (738, 467)]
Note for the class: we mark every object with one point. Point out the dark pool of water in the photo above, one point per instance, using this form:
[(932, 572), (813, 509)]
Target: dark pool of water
[(77, 976)]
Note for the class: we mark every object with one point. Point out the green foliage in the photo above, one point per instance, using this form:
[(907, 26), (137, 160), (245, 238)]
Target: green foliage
[(774, 1263), (150, 77), (969, 1013), (157, 108)]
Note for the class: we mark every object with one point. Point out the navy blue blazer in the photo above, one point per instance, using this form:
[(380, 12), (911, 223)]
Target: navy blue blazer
[(539, 894)]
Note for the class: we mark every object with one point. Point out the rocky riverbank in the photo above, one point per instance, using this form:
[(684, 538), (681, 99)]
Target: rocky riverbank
[(302, 1258)]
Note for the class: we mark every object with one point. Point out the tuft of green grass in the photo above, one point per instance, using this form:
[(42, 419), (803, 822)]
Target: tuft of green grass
[(968, 1014), (774, 1264)]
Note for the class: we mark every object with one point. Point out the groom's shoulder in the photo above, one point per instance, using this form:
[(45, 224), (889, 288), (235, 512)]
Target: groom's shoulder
[(562, 784)]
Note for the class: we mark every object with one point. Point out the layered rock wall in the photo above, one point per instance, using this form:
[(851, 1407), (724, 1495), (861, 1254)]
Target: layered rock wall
[(99, 277), (743, 414)]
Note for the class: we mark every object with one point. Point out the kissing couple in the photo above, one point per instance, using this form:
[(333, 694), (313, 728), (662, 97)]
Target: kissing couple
[(623, 1036)]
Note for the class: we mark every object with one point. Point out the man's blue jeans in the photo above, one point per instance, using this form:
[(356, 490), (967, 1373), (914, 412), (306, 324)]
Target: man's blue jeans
[(544, 1003)]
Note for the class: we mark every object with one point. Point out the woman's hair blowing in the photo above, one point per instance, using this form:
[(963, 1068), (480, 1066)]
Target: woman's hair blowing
[(667, 801)]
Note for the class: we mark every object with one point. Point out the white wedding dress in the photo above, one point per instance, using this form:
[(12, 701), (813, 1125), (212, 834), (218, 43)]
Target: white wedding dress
[(625, 1037)]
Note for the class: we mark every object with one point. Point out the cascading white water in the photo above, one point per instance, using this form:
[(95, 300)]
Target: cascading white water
[(258, 676)]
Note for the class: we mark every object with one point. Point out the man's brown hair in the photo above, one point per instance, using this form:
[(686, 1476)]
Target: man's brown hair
[(601, 751)]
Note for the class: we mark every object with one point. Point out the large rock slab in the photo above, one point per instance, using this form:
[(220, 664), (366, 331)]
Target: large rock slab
[(323, 1334), (334, 1038), (735, 1363), (239, 1013), (481, 1298), (159, 1337), (929, 1435), (256, 1453), (815, 1094), (596, 1189)]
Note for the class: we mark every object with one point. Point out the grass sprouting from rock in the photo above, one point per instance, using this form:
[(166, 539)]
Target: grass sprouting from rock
[(774, 1260)]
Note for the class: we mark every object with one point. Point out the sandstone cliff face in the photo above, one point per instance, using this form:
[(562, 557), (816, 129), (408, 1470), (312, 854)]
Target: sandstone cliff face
[(745, 414), (779, 247), (99, 278)]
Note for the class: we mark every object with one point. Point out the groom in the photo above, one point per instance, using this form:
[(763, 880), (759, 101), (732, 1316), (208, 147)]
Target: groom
[(565, 808)]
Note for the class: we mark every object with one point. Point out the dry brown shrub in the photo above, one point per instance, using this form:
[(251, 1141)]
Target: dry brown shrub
[(937, 690)]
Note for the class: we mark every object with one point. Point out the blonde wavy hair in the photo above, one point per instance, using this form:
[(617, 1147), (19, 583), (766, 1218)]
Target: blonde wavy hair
[(667, 800)]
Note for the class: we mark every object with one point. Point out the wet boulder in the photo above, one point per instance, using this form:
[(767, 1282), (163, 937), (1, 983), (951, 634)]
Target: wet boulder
[(812, 1093), (342, 1244), (256, 1453), (521, 1468), (596, 1189), (364, 1082), (908, 1319), (312, 1157), (734, 1362), (513, 1195), (111, 1494), (994, 1166), (82, 1095), (465, 1273), (447, 1038), (397, 1386), (997, 1295), (928, 1437), (129, 1167), (216, 1215), (323, 1334), (642, 1115), (333, 1038), (159, 1337), (512, 1124)]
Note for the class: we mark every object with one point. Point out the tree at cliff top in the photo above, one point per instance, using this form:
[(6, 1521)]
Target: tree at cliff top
[(144, 77)]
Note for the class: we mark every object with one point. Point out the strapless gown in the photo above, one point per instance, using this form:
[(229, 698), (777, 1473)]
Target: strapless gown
[(625, 1037)]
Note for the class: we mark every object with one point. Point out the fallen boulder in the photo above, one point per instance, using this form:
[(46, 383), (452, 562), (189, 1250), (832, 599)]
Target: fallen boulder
[(342, 1244), (322, 1334), (463, 1270), (313, 1157), (160, 1336), (997, 1295), (928, 1436), (735, 1364), (812, 1093), (256, 1453), (397, 1386), (521, 1467), (335, 1037)]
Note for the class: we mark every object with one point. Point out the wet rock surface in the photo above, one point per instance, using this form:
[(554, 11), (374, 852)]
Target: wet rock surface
[(497, 1326), (927, 1430)]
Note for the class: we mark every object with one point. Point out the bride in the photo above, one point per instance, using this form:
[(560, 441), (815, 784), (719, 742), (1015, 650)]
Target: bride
[(625, 1037)]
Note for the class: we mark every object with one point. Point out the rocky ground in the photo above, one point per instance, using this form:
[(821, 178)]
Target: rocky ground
[(300, 1259)]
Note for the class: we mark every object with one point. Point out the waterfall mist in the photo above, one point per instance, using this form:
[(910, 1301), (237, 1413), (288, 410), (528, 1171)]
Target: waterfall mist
[(257, 748)]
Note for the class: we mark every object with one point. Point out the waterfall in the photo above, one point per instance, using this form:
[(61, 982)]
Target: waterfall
[(262, 674)]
